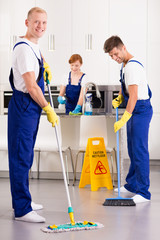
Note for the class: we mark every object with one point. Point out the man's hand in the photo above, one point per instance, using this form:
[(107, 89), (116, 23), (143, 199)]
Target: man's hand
[(51, 115), (48, 71), (117, 101), (126, 116)]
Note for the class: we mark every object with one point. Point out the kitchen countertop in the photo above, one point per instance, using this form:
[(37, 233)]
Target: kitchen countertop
[(110, 115)]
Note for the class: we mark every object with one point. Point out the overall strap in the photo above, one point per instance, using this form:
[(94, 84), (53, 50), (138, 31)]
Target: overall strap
[(69, 78), (136, 62), (121, 73), (40, 61), (80, 80)]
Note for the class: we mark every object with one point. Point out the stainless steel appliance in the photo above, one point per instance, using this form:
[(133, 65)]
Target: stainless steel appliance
[(102, 105)]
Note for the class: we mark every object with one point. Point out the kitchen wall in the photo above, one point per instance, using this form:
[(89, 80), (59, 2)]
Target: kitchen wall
[(82, 26)]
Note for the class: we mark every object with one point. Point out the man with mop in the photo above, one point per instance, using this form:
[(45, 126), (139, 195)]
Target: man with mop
[(27, 81), (136, 94)]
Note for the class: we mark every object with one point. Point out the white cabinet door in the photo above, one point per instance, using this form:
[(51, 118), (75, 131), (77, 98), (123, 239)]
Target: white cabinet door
[(89, 30), (4, 41), (12, 24), (154, 53), (18, 14), (56, 43), (128, 19)]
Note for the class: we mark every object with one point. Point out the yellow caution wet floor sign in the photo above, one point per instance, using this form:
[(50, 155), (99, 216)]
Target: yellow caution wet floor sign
[(95, 169)]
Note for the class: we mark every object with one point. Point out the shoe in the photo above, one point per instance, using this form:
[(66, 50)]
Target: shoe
[(139, 199), (122, 190), (36, 207), (31, 217)]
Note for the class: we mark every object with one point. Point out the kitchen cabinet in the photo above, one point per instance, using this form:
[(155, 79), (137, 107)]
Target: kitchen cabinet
[(56, 42), (73, 27), (154, 52), (89, 31), (12, 25), (128, 20)]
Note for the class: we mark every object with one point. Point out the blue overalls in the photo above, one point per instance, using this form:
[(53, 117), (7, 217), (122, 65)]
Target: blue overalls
[(23, 120), (137, 140), (72, 94)]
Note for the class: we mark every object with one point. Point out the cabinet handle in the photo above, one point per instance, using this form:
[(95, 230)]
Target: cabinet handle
[(51, 42), (13, 40), (88, 42)]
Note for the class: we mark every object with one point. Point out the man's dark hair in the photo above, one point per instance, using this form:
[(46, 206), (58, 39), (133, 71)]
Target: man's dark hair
[(111, 43)]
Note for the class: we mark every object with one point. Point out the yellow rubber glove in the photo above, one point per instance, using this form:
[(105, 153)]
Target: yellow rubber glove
[(126, 116), (48, 71), (51, 115), (117, 101)]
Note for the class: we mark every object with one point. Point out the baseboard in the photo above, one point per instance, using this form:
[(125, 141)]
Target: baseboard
[(154, 162)]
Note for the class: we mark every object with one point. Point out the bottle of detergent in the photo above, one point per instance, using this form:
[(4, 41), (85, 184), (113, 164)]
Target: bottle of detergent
[(88, 104)]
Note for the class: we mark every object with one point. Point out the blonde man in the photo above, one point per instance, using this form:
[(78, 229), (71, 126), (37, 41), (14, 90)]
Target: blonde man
[(27, 102)]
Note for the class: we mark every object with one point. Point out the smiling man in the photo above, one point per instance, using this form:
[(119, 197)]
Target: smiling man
[(136, 94), (24, 111)]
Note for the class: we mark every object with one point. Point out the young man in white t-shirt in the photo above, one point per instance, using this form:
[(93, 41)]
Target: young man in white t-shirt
[(27, 81), (136, 94)]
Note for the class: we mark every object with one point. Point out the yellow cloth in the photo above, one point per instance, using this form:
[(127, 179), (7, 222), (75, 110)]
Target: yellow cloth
[(117, 101), (48, 71), (51, 115), (126, 116)]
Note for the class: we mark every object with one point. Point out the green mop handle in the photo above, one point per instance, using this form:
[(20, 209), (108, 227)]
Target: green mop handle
[(70, 209)]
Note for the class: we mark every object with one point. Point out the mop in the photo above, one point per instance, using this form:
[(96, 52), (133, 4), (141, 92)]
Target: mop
[(119, 201), (72, 226)]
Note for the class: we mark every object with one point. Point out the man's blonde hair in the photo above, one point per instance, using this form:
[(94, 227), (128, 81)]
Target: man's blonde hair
[(35, 9)]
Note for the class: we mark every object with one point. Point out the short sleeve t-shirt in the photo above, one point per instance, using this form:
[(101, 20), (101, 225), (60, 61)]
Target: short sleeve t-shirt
[(24, 60), (135, 75)]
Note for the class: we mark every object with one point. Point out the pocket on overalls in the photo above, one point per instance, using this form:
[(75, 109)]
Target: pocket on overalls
[(25, 103)]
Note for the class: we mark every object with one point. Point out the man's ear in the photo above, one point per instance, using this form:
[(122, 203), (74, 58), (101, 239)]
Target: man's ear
[(124, 47), (26, 22)]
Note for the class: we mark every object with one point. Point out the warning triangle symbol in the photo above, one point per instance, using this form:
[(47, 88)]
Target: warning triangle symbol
[(100, 169)]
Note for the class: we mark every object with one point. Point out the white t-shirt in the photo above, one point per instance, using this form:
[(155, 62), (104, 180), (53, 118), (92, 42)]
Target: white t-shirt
[(24, 60), (65, 81), (135, 75)]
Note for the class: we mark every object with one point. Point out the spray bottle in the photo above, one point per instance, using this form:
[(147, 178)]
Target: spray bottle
[(88, 105)]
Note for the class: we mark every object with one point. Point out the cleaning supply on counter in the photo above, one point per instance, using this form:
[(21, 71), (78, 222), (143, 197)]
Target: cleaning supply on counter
[(88, 104), (73, 226), (119, 201)]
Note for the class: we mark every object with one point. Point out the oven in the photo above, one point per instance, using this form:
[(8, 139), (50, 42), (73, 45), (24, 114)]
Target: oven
[(111, 92), (100, 106)]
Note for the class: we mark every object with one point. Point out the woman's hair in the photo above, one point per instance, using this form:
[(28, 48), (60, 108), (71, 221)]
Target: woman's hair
[(111, 43), (35, 9), (74, 58)]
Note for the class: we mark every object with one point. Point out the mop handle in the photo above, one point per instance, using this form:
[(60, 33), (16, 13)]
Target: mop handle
[(59, 147), (118, 165)]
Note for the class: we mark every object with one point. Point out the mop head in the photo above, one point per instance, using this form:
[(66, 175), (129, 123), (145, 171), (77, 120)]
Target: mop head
[(69, 227), (124, 202)]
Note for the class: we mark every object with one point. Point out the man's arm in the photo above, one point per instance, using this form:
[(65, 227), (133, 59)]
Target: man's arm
[(34, 90), (133, 96)]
